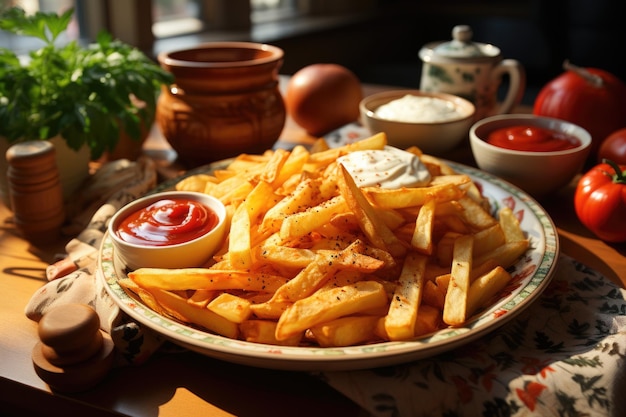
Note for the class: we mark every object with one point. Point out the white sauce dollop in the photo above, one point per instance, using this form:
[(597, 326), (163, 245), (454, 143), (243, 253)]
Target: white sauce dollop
[(390, 168), (418, 109)]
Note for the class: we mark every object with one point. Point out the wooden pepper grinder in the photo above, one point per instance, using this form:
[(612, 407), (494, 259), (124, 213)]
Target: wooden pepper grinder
[(35, 190), (73, 354)]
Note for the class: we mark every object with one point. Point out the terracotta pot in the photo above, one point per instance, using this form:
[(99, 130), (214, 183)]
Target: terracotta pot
[(225, 100)]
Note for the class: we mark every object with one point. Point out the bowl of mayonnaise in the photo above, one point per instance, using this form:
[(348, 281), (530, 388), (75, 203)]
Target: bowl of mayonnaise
[(434, 122)]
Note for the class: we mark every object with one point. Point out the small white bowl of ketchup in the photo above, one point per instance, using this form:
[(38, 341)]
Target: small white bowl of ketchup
[(538, 154), (174, 229)]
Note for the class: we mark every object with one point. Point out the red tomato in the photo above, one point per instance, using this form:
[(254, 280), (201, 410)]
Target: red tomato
[(614, 147), (600, 201), (323, 97), (598, 106)]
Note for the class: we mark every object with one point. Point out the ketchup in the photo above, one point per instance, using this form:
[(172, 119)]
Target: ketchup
[(167, 222), (532, 139)]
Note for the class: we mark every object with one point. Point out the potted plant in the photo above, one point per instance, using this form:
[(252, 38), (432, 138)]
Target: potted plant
[(85, 94)]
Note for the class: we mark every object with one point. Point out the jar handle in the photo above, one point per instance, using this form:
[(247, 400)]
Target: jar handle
[(517, 83)]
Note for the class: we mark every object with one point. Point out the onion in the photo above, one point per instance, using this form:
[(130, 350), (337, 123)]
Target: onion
[(323, 97)]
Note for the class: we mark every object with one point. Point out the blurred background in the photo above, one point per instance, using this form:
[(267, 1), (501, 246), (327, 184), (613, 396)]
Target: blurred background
[(377, 39)]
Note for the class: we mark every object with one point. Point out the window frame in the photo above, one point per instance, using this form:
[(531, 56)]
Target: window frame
[(221, 18), (132, 20)]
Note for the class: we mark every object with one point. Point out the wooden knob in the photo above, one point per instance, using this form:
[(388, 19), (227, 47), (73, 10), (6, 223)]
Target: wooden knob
[(69, 327), (73, 353), (70, 357)]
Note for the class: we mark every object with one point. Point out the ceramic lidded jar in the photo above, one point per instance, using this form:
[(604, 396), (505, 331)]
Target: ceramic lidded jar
[(473, 71), (225, 100)]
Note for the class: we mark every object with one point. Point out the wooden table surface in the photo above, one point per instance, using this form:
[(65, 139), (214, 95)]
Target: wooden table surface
[(189, 384)]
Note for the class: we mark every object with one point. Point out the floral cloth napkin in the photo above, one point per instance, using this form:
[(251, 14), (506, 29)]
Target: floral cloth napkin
[(562, 356)]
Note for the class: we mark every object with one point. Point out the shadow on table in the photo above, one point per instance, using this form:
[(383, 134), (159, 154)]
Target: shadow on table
[(213, 386)]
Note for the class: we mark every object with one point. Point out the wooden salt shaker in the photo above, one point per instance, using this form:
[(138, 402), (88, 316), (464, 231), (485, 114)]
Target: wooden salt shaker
[(73, 354), (35, 190)]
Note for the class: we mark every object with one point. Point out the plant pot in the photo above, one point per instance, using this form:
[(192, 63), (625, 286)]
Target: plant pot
[(225, 101), (128, 147), (73, 167)]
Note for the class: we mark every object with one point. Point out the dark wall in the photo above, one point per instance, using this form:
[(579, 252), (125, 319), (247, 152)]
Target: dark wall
[(588, 33), (539, 33)]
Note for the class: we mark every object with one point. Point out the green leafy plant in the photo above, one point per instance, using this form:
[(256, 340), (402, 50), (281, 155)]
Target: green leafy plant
[(86, 94)]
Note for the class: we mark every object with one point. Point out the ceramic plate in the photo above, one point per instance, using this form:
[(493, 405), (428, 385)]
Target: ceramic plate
[(531, 275)]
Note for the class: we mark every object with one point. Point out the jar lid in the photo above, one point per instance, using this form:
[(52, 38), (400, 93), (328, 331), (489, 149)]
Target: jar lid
[(29, 149), (460, 47)]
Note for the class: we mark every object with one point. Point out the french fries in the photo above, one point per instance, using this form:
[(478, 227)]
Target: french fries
[(329, 305), (455, 306), (404, 306), (312, 258)]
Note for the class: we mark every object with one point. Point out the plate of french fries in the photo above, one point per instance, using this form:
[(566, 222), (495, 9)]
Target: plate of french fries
[(317, 273)]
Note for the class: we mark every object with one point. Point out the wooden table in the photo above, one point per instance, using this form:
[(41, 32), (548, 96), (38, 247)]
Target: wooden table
[(188, 384)]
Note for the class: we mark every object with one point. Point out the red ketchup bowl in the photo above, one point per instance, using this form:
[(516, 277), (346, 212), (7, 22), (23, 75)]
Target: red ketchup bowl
[(538, 154), (175, 229)]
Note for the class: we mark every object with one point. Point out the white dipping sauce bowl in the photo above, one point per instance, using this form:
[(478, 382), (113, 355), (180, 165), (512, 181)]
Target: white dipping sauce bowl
[(436, 137)]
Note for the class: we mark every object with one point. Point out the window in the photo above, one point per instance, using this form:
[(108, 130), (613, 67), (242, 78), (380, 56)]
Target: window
[(273, 10), (32, 6), (23, 45), (204, 20), (176, 17)]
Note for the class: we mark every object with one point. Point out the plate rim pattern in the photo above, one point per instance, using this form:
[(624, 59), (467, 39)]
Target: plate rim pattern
[(361, 356)]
